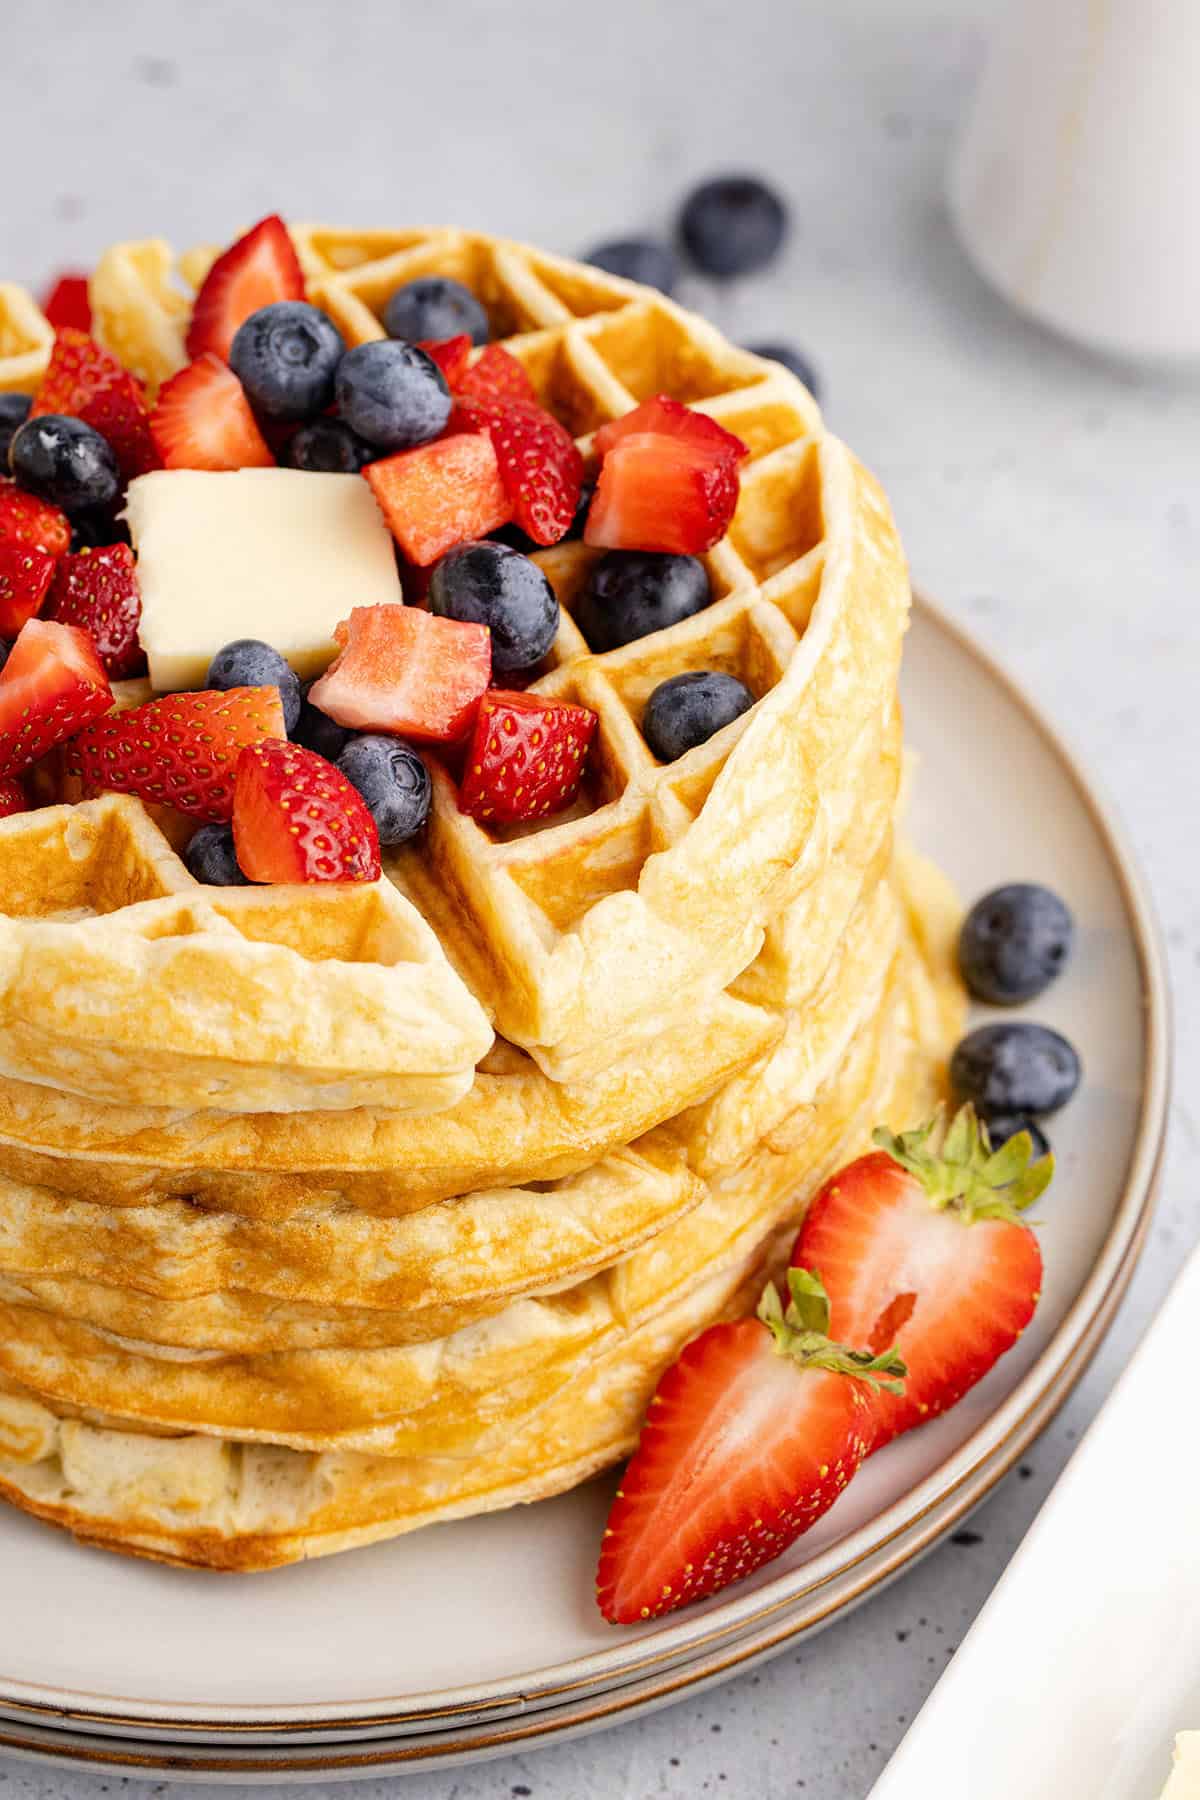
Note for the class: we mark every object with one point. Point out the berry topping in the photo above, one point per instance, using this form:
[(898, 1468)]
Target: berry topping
[(13, 798), (1014, 943), (286, 356), (98, 591), (249, 663), (24, 519), (525, 758), (25, 577), (96, 530), (259, 269), (393, 781), (450, 354), (392, 394), (14, 410), (631, 593), (84, 381), (211, 858), (52, 686), (439, 495), (687, 710), (1002, 1126), (733, 225), (540, 464), (663, 417), (406, 671), (67, 303), (433, 306), (326, 447), (180, 751), (203, 421), (638, 259), (315, 730), (64, 461), (792, 359), (1015, 1069), (297, 818), (494, 375), (668, 481), (489, 584)]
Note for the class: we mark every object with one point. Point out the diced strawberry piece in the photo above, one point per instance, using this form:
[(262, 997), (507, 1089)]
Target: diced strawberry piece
[(203, 421), (450, 354), (440, 494), (495, 375), (406, 671), (25, 577), (24, 519), (180, 751), (13, 798), (52, 686), (661, 493), (87, 382), (671, 418), (525, 758), (259, 269), (98, 591), (67, 303), (540, 464), (297, 818)]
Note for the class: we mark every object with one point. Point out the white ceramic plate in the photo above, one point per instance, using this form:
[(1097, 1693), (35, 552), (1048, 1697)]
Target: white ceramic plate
[(372, 1645)]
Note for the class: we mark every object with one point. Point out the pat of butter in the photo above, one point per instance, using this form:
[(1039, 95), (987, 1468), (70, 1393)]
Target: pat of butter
[(1185, 1776), (277, 554)]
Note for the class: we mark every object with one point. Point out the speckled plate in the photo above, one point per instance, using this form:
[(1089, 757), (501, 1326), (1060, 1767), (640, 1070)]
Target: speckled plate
[(481, 1636)]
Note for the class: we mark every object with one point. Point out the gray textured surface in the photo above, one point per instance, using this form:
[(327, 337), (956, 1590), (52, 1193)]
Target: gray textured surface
[(1051, 501)]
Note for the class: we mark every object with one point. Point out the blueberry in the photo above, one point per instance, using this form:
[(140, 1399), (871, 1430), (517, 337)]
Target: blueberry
[(433, 306), (638, 259), (315, 730), (1014, 942), (326, 447), (587, 494), (733, 224), (1015, 1069), (14, 410), (1002, 1126), (393, 781), (490, 584), (631, 593), (392, 394), (687, 710), (66, 462), (91, 531), (286, 355), (212, 859), (249, 663), (792, 359)]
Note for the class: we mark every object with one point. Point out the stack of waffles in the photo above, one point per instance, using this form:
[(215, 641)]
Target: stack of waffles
[(329, 1212)]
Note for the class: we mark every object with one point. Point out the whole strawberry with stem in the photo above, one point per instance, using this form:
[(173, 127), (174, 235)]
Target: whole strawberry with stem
[(749, 1440), (922, 1245)]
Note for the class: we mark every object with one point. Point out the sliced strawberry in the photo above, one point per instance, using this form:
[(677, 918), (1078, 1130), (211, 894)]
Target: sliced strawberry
[(259, 269), (297, 818), (495, 375), (25, 577), (67, 303), (13, 798), (749, 1440), (928, 1251), (450, 354), (440, 495), (24, 519), (203, 421), (665, 417), (525, 758), (661, 493), (87, 382), (52, 686), (98, 591), (180, 751), (406, 671), (540, 464)]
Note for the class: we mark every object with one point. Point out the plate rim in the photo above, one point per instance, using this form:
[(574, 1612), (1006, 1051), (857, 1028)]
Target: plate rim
[(694, 1646)]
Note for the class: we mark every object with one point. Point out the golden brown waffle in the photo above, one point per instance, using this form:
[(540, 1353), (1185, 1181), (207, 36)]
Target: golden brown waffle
[(26, 339)]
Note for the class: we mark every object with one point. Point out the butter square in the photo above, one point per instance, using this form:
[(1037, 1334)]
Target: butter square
[(1185, 1775), (277, 554)]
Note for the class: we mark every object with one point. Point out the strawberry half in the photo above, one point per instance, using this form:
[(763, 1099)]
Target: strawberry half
[(203, 421), (98, 591), (52, 686), (928, 1250), (13, 798), (540, 464), (440, 495), (87, 382), (526, 757), (495, 375), (660, 492), (450, 354), (664, 417), (297, 818), (406, 671), (25, 577), (67, 303), (259, 269), (24, 519), (749, 1440), (180, 751)]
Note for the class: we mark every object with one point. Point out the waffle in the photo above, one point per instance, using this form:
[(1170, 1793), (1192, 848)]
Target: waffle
[(26, 339)]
